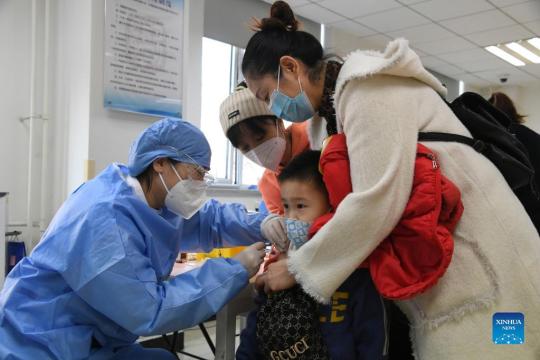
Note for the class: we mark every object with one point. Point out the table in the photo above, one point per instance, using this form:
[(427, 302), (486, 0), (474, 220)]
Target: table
[(226, 317), (226, 323)]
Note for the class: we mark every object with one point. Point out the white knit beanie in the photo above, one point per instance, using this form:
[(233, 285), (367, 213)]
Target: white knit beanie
[(239, 106)]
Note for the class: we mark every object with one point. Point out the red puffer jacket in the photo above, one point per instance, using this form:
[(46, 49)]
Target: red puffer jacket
[(419, 249)]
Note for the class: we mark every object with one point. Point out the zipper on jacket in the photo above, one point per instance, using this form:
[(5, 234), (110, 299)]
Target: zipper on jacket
[(432, 158)]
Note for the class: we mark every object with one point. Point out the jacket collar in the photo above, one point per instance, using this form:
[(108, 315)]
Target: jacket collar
[(397, 60)]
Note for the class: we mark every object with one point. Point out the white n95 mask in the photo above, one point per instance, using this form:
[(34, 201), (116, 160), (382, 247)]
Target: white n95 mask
[(186, 197), (269, 153)]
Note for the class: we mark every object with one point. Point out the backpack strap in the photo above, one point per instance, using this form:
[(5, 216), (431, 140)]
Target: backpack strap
[(476, 144)]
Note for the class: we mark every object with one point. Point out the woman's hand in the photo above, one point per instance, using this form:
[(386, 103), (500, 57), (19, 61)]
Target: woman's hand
[(277, 277), (273, 230)]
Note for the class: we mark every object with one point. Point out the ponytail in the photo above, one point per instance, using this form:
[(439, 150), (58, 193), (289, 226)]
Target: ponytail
[(279, 36)]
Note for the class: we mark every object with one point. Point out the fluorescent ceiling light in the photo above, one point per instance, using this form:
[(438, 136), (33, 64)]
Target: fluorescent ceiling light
[(505, 56), (523, 51), (535, 42)]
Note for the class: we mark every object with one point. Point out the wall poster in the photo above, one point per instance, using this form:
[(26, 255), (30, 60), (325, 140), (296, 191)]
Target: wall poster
[(143, 56)]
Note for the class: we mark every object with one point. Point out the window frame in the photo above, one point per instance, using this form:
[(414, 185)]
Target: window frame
[(234, 160)]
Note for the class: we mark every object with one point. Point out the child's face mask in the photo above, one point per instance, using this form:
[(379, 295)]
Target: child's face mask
[(297, 231)]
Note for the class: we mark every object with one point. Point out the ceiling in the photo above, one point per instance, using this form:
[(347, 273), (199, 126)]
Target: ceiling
[(449, 35)]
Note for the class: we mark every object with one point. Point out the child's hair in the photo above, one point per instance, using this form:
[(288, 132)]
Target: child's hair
[(305, 168)]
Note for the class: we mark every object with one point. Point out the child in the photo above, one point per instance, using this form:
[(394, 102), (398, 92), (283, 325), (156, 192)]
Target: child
[(353, 325), (410, 261)]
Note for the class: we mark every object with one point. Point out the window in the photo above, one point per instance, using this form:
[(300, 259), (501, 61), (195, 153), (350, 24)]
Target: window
[(220, 73)]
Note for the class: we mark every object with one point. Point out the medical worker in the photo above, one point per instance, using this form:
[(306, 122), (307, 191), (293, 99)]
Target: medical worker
[(99, 277)]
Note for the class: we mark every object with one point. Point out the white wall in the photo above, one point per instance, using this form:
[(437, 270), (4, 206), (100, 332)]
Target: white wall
[(92, 132), (249, 198), (529, 104), (74, 34), (23, 95), (15, 38), (110, 132), (526, 99)]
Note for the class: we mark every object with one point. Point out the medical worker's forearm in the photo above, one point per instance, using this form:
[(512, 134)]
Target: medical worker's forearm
[(145, 307), (221, 225)]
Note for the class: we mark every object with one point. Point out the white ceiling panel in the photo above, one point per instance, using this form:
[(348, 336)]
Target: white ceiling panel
[(354, 9), (448, 70), (319, 14), (533, 69), (493, 63), (524, 12), (534, 26), (473, 80), (432, 61), (460, 57), (515, 77), (448, 45), (417, 51), (422, 33), (353, 28), (486, 20), (502, 3), (498, 36), (375, 42), (446, 9), (410, 2), (448, 35), (292, 3), (392, 20)]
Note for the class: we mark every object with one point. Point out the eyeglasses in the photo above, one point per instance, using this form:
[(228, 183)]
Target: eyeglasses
[(201, 173)]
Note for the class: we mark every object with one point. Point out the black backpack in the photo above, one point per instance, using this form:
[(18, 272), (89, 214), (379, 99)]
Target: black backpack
[(491, 136), (288, 327)]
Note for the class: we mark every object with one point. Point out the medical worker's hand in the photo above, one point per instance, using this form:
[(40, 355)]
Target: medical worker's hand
[(251, 258), (273, 230), (276, 278)]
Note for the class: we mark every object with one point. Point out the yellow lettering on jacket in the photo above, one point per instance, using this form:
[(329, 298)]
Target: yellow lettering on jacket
[(339, 307)]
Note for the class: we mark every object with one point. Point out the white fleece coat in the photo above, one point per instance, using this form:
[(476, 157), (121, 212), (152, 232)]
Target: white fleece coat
[(382, 101)]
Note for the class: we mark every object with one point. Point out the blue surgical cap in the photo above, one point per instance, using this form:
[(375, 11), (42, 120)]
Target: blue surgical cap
[(169, 138)]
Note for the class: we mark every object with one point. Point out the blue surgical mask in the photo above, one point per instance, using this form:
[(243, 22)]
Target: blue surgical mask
[(295, 109), (297, 231)]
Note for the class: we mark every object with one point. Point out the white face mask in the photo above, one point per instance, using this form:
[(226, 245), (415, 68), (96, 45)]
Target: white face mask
[(186, 197), (269, 153)]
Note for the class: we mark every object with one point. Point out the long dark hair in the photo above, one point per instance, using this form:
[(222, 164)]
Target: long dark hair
[(502, 102), (279, 36)]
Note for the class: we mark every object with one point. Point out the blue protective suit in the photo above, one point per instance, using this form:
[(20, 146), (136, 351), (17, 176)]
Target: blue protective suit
[(99, 274)]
